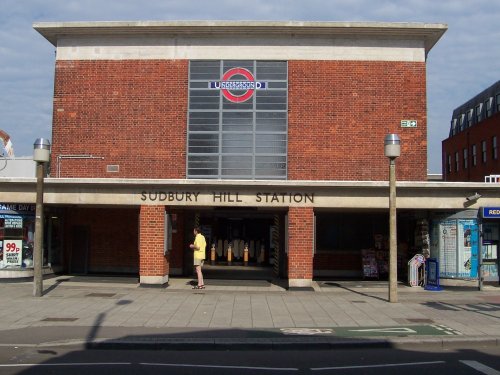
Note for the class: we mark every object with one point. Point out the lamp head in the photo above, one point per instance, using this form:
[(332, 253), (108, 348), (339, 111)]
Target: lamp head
[(392, 146), (41, 150)]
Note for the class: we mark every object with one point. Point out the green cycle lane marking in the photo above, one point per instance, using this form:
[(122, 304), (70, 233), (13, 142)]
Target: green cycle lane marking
[(399, 331)]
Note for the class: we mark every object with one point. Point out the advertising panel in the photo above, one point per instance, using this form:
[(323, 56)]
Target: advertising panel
[(458, 248)]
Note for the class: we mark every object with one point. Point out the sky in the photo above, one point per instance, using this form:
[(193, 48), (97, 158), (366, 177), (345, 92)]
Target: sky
[(465, 61)]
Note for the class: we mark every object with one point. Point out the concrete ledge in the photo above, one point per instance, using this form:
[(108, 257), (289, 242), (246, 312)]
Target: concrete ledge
[(22, 273), (153, 280), (299, 283)]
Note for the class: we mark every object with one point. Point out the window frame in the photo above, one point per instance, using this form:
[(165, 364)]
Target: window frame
[(494, 147), (483, 152), (246, 140), (479, 112), (474, 155)]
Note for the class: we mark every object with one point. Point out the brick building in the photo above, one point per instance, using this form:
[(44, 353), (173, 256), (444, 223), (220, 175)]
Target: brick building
[(470, 153), (267, 134)]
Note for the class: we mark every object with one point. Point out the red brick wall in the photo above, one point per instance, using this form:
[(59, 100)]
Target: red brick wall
[(131, 113), (341, 111), (485, 130), (300, 242), (152, 261), (113, 248)]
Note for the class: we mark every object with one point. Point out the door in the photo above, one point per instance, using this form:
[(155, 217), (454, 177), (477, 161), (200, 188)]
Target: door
[(80, 243)]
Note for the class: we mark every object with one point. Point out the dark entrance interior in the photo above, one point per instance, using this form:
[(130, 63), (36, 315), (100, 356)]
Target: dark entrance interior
[(79, 249), (241, 243)]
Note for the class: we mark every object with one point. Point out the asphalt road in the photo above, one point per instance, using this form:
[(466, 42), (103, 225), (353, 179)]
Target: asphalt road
[(418, 360)]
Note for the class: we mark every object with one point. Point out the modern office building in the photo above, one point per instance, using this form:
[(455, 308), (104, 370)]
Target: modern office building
[(470, 153)]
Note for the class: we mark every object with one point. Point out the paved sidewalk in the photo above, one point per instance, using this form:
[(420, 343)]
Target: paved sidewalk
[(116, 312)]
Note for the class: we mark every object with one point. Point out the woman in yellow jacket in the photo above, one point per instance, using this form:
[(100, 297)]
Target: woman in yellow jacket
[(199, 247)]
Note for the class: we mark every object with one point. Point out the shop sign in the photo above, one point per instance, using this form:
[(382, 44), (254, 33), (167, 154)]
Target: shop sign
[(17, 208), (12, 252), (490, 212), (227, 86), (13, 221)]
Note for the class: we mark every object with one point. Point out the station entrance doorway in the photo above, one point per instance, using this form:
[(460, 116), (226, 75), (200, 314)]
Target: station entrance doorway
[(241, 243)]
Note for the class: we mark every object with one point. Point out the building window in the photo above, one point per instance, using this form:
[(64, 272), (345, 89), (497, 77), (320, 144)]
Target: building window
[(474, 155), (466, 161), (454, 129), (449, 164), (483, 151), (462, 122), (488, 104), (457, 161), (479, 115), (494, 148), (232, 133), (470, 113), (498, 102)]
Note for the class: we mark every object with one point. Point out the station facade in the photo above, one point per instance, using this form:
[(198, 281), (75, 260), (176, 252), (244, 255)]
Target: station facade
[(267, 135)]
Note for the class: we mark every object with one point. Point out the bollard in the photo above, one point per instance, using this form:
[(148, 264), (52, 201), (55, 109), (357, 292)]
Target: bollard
[(229, 255), (212, 255), (245, 255)]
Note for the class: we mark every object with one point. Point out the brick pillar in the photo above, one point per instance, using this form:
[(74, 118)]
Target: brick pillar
[(153, 265), (300, 246)]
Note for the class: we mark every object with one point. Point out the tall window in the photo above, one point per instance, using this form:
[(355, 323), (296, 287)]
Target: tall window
[(237, 121), (454, 129), (494, 148), (498, 102), (474, 155), (466, 161), (449, 164), (488, 104), (479, 114), (483, 151), (457, 161), (470, 113)]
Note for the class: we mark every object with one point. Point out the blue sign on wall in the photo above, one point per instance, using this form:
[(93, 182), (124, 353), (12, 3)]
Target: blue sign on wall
[(490, 212)]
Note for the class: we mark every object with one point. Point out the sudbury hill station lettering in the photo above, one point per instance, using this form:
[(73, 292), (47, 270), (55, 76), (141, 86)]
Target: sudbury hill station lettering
[(183, 197)]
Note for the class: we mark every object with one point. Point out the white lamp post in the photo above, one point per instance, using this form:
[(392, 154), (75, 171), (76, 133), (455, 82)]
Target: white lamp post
[(41, 155), (392, 149)]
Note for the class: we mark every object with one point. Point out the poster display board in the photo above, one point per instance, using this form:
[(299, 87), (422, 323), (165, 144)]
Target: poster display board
[(369, 263), (458, 248)]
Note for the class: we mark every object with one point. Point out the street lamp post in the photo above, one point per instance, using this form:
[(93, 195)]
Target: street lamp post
[(392, 149), (41, 155)]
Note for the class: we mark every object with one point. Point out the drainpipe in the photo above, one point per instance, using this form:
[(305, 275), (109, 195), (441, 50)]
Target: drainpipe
[(60, 157)]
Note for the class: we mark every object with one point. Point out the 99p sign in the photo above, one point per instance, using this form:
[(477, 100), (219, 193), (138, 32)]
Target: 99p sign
[(12, 252)]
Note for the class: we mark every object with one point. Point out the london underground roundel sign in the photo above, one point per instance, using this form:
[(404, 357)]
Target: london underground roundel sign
[(231, 87)]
